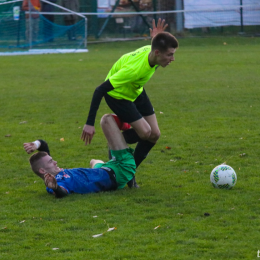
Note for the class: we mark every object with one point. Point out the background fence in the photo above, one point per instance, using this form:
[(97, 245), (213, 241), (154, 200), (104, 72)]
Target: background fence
[(130, 19), (34, 29), (186, 18)]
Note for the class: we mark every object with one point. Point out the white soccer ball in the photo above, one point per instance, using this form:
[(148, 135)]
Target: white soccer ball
[(223, 177)]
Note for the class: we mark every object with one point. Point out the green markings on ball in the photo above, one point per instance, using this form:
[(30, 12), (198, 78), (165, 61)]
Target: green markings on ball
[(225, 168), (224, 186), (233, 178), (215, 175)]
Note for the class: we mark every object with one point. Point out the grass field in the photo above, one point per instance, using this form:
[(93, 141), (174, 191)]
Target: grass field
[(207, 105)]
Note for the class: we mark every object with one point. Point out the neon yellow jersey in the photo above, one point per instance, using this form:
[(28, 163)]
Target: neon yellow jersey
[(129, 74)]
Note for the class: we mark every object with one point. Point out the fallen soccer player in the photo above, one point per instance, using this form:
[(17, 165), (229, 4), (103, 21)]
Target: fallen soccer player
[(114, 174)]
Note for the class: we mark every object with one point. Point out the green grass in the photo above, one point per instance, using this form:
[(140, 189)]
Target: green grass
[(209, 104)]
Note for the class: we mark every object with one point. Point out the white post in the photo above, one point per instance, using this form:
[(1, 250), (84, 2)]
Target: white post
[(86, 31), (179, 16), (30, 24)]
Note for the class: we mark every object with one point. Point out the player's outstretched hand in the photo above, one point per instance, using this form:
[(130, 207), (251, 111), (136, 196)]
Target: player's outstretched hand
[(29, 147), (88, 133), (50, 181), (161, 26)]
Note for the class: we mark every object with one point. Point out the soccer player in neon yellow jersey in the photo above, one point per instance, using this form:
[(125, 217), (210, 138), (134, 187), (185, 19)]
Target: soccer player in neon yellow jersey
[(124, 93)]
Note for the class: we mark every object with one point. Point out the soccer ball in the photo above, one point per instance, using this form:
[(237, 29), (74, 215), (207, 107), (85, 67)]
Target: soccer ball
[(223, 177)]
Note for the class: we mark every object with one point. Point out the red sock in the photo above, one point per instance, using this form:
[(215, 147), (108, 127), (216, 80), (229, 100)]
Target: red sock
[(125, 126), (121, 125)]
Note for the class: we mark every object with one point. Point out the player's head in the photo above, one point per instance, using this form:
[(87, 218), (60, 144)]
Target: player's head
[(164, 46), (163, 41), (41, 163)]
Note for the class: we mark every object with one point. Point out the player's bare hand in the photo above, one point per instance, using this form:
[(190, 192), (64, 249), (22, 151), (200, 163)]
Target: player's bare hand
[(88, 133), (29, 147), (161, 26), (50, 181)]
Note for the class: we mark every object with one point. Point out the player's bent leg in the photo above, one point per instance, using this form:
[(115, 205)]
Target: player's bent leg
[(112, 133), (142, 128), (155, 131), (144, 146), (146, 132), (93, 162)]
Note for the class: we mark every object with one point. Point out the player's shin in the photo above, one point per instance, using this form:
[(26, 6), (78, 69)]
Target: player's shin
[(141, 151)]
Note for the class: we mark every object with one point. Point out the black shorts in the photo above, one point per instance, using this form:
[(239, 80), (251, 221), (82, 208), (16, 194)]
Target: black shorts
[(128, 111)]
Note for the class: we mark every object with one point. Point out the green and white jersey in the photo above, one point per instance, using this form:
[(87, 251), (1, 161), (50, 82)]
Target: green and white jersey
[(129, 74)]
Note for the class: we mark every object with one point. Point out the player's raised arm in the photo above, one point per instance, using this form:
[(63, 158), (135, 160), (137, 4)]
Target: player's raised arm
[(30, 147), (39, 145), (161, 26)]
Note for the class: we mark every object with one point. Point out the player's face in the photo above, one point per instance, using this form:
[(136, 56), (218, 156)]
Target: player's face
[(49, 165), (165, 58)]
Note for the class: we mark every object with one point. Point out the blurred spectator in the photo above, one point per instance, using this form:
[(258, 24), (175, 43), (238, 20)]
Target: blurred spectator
[(48, 23), (71, 19), (32, 25)]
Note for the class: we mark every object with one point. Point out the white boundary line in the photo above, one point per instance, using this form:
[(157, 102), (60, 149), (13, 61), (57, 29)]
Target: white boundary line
[(42, 51)]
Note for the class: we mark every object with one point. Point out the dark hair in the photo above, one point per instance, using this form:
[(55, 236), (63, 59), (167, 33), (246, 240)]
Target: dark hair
[(34, 161), (163, 41)]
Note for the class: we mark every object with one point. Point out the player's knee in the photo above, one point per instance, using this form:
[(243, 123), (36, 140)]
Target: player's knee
[(105, 119), (154, 136), (145, 134), (92, 163)]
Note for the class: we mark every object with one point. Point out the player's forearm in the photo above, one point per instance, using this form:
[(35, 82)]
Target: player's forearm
[(43, 146), (96, 100), (60, 192)]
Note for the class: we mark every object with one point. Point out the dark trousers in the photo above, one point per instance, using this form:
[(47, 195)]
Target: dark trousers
[(71, 31), (48, 27)]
